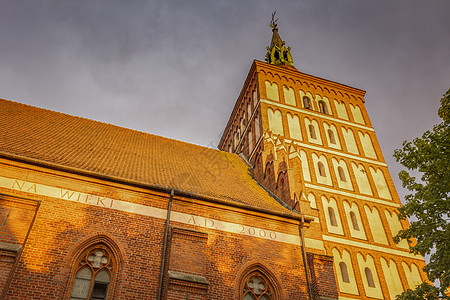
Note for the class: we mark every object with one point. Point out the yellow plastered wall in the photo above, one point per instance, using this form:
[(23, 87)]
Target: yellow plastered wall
[(305, 166), (322, 179), (332, 203), (342, 184), (359, 234), (376, 226), (294, 127), (312, 200), (395, 226), (289, 96), (349, 140), (341, 111), (337, 144), (380, 183), (361, 179), (374, 292), (356, 113), (275, 121), (345, 287), (272, 91), (392, 278), (412, 275), (367, 145), (318, 139)]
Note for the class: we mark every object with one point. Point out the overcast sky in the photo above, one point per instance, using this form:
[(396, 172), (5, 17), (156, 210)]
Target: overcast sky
[(175, 68)]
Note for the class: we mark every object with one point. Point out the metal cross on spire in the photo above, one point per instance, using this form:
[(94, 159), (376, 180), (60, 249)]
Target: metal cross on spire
[(273, 22)]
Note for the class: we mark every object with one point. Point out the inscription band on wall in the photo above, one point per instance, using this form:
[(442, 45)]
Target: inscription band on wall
[(88, 199)]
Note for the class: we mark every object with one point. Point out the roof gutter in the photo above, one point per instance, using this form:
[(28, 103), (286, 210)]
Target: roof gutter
[(58, 167)]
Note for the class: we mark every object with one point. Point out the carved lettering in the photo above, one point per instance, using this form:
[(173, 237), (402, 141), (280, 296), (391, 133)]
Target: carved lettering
[(209, 223), (32, 188), (193, 220), (88, 199), (16, 182), (100, 200), (68, 194)]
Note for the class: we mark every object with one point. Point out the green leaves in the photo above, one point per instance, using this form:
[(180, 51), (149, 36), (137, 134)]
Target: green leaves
[(428, 203)]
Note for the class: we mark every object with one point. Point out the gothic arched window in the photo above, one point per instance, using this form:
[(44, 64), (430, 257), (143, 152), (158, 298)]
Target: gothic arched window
[(332, 216), (323, 107), (321, 169), (344, 271), (256, 286), (341, 174), (354, 221), (369, 277), (307, 103), (312, 131), (331, 136), (94, 270)]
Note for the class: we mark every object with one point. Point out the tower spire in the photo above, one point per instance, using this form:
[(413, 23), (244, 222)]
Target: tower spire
[(277, 52)]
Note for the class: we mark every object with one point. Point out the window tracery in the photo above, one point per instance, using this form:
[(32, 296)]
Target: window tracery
[(94, 270), (256, 286)]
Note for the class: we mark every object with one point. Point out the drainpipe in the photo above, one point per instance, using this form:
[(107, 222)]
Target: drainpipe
[(164, 253), (305, 259)]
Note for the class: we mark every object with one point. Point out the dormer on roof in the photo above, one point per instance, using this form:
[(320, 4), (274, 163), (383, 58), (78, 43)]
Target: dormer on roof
[(277, 52)]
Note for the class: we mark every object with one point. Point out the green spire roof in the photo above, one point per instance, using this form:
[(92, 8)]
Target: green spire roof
[(277, 52)]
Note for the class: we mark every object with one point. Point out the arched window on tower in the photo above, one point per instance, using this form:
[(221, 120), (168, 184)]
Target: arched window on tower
[(344, 271), (369, 277), (332, 216), (331, 136), (354, 221), (323, 107), (341, 174), (321, 169), (312, 131), (307, 103), (94, 271)]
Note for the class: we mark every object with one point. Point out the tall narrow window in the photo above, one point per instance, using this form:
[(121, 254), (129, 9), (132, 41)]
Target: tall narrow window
[(256, 286), (341, 174), (369, 277), (307, 103), (332, 216), (94, 270), (331, 136), (321, 169), (354, 221), (323, 107), (344, 272), (312, 131)]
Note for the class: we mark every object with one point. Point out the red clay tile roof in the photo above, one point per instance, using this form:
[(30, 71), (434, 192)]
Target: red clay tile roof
[(106, 149)]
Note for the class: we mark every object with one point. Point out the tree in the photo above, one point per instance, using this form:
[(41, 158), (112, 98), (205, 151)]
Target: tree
[(428, 204)]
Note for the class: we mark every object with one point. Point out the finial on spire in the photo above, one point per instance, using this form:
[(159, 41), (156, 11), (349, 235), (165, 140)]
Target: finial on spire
[(277, 52), (273, 23)]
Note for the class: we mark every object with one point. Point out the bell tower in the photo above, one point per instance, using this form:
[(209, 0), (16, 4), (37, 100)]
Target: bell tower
[(310, 142)]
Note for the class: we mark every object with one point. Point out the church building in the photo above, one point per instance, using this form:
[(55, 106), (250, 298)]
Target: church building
[(296, 202)]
